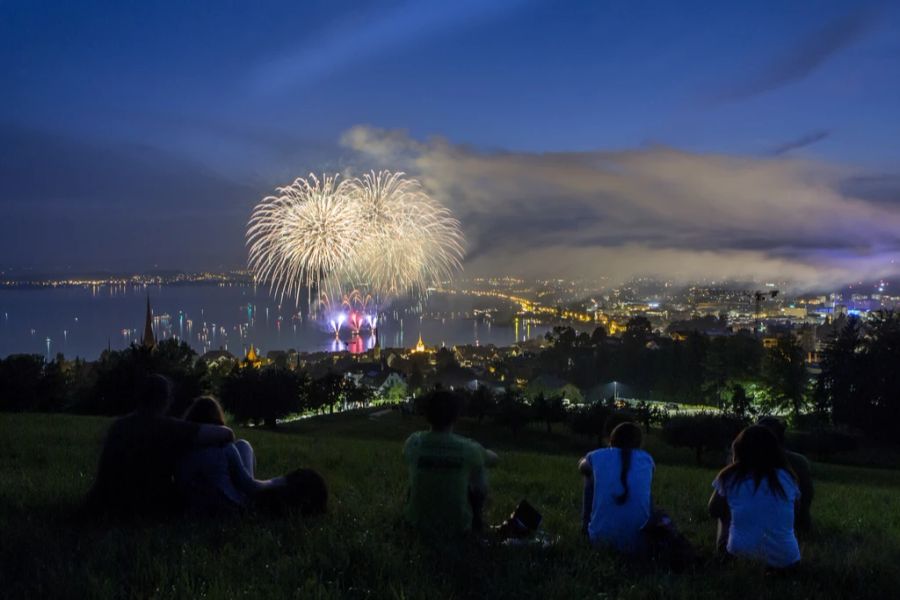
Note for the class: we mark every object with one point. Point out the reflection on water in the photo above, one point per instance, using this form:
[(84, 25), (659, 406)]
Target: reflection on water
[(85, 321), (357, 344)]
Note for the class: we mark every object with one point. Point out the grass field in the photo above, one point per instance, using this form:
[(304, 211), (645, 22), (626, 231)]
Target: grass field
[(47, 463)]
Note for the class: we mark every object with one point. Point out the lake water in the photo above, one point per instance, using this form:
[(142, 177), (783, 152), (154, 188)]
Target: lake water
[(83, 321)]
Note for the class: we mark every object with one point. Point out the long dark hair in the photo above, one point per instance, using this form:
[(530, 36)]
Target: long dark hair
[(757, 454), (626, 437), (205, 409)]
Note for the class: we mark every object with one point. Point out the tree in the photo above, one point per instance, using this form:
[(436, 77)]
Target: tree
[(715, 367), (481, 403), (598, 337), (396, 392), (357, 395), (241, 395), (120, 375), (416, 380), (784, 375), (590, 421), (740, 405), (512, 412), (647, 414), (701, 433), (21, 378), (549, 410), (281, 394), (860, 382), (328, 391), (445, 360), (638, 331), (563, 336)]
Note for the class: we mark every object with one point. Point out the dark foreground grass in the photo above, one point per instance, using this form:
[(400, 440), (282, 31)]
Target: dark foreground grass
[(357, 550)]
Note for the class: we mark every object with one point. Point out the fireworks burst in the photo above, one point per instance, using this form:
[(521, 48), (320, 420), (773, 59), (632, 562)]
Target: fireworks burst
[(301, 238), (411, 241), (381, 231)]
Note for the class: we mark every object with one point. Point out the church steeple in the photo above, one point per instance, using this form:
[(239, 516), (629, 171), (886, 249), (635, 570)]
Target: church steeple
[(149, 340), (420, 345)]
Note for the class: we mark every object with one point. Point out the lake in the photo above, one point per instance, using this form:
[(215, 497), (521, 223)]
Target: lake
[(83, 321)]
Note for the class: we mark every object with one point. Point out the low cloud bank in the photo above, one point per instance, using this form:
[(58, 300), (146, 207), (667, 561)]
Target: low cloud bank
[(656, 211)]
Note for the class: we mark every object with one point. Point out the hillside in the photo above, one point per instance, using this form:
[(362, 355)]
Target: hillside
[(357, 551)]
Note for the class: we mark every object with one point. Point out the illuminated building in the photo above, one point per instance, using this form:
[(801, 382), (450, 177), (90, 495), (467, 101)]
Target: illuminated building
[(252, 359)]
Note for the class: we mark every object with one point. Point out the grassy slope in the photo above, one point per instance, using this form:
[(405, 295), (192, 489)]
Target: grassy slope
[(47, 463)]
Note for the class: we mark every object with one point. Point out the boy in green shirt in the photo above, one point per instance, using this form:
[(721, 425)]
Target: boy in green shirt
[(447, 478)]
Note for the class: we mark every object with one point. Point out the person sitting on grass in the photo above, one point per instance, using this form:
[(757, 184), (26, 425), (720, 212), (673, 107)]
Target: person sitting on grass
[(222, 479), (447, 473), (800, 465), (801, 468), (616, 500), (135, 475), (218, 478), (759, 491)]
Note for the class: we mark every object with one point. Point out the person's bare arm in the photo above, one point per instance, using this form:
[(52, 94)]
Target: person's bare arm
[(213, 435), (718, 505), (584, 467)]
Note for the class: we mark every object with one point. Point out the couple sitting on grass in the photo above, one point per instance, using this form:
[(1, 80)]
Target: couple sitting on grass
[(155, 464), (755, 497)]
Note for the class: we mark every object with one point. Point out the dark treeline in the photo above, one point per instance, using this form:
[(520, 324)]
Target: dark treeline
[(109, 386), (858, 385)]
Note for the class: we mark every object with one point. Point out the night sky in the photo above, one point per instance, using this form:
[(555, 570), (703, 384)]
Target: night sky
[(755, 139)]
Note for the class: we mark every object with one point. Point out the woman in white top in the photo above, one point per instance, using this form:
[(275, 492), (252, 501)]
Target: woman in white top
[(759, 489), (617, 500)]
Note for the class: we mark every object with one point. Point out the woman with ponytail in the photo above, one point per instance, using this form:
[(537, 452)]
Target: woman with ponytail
[(617, 490)]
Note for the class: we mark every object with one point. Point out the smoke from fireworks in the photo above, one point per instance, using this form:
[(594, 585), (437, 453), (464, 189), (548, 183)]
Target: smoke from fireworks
[(382, 232)]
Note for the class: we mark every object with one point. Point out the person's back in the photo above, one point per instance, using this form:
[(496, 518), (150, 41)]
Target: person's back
[(758, 493), (803, 508), (441, 466), (447, 478), (216, 478), (207, 477), (136, 471), (762, 520), (137, 464), (614, 520), (801, 468)]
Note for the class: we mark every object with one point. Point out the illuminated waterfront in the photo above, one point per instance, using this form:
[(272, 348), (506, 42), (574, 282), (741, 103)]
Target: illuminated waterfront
[(83, 321)]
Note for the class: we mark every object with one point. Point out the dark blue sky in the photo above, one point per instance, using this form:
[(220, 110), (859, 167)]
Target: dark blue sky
[(141, 134)]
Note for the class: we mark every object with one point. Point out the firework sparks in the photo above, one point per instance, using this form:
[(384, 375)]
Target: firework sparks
[(301, 238), (381, 231)]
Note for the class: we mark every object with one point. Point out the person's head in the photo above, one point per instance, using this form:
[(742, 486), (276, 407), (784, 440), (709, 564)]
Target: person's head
[(626, 435), (306, 489), (155, 395), (442, 408), (206, 410), (756, 453), (775, 425)]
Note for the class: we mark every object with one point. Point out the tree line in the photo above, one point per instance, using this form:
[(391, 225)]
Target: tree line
[(857, 387)]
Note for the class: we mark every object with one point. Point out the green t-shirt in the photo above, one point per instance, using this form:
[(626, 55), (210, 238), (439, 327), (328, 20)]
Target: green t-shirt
[(441, 468)]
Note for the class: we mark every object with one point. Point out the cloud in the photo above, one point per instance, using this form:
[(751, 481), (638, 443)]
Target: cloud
[(800, 142), (808, 54), (877, 187), (653, 211), (368, 35)]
